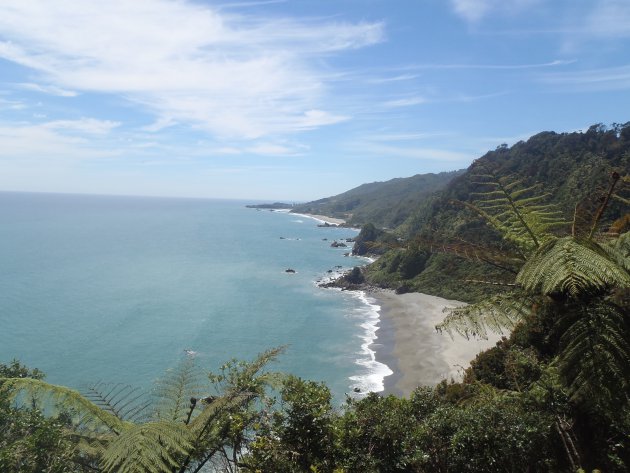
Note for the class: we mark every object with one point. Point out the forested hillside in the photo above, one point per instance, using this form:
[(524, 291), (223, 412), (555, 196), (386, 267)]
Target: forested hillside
[(444, 236), (385, 204)]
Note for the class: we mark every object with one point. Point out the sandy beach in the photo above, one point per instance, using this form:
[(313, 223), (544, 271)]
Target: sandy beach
[(409, 344), (325, 219)]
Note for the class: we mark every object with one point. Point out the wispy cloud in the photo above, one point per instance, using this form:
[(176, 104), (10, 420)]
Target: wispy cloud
[(541, 65), (609, 18), (48, 89), (425, 154), (475, 10), (404, 102), (611, 78), (397, 78), (89, 126), (229, 74), (412, 136), (53, 140)]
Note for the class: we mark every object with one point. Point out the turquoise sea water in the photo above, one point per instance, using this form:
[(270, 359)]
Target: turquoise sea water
[(116, 288)]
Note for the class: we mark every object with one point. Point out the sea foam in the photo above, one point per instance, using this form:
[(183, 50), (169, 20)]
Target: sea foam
[(372, 376)]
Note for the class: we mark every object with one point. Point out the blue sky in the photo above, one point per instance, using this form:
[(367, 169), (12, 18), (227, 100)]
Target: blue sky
[(292, 100)]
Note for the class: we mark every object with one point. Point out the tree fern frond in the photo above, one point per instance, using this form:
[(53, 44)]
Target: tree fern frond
[(59, 398), (619, 250), (571, 266), (174, 391), (121, 400), (495, 314), (153, 447), (594, 355)]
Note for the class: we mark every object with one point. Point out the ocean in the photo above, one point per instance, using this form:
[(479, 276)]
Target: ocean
[(118, 289)]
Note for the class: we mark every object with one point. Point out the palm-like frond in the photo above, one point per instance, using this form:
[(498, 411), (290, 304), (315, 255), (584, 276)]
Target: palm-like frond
[(153, 447), (516, 211), (496, 314), (121, 400), (594, 353), (173, 392), (60, 398), (572, 266), (619, 250)]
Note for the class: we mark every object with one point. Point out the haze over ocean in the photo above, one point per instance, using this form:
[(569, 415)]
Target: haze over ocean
[(116, 288)]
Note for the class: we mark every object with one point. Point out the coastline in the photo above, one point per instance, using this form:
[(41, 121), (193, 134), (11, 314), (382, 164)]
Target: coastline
[(409, 344)]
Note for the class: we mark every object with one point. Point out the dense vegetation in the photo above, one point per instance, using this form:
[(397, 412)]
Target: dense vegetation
[(551, 396), (444, 235), (385, 204)]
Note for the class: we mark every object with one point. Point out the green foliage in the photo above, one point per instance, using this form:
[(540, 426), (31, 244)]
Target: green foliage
[(29, 441), (373, 241), (300, 436), (375, 434), (182, 433), (518, 213), (499, 314), (571, 266)]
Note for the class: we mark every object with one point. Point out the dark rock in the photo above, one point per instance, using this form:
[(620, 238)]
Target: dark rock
[(357, 390), (289, 270), (338, 244), (403, 289)]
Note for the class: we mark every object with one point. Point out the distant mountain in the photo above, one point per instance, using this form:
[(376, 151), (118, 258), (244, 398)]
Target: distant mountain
[(385, 204)]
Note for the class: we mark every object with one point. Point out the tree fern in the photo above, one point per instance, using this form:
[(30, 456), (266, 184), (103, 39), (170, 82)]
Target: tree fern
[(518, 212), (594, 353), (123, 401), (153, 447), (497, 314), (173, 392), (573, 266), (62, 399)]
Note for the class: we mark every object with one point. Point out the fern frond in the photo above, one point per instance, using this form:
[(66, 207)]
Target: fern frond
[(619, 250), (571, 266), (496, 314), (62, 399), (154, 447), (594, 355), (121, 400), (516, 211), (174, 391)]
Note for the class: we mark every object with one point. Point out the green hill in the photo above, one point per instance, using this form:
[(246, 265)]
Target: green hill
[(385, 204)]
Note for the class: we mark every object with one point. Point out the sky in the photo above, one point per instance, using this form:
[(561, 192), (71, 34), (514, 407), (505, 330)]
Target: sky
[(292, 100)]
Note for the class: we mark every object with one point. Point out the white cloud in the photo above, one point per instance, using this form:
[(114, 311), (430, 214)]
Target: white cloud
[(46, 141), (612, 78), (270, 149), (48, 89), (475, 10), (11, 105), (406, 102), (228, 74), (84, 125), (609, 18)]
